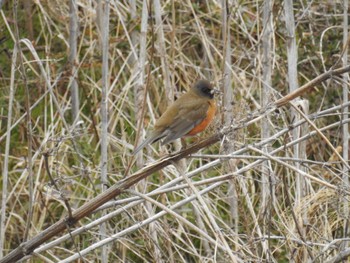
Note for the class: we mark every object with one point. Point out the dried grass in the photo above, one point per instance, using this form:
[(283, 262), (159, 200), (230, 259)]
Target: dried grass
[(248, 198)]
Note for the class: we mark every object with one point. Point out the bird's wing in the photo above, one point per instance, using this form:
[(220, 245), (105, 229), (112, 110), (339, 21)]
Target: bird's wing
[(188, 117)]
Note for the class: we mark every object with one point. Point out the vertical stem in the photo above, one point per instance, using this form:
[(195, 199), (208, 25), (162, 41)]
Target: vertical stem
[(226, 36), (292, 56), (29, 127), (228, 108), (292, 52), (140, 88), (169, 90), (345, 115), (265, 130), (299, 149), (173, 34), (104, 113), (72, 59), (6, 153), (134, 35)]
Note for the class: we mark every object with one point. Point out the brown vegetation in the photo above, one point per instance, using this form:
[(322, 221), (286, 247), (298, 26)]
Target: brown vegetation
[(267, 182)]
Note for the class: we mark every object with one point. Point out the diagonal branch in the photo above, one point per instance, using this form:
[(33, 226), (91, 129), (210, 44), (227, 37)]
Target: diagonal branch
[(300, 91)]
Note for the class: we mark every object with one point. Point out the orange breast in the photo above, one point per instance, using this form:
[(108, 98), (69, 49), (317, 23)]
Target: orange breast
[(204, 124)]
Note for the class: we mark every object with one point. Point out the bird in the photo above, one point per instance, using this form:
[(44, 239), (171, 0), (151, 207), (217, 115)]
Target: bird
[(187, 116)]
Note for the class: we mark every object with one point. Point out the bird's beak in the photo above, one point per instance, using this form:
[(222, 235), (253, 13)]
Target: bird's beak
[(215, 91)]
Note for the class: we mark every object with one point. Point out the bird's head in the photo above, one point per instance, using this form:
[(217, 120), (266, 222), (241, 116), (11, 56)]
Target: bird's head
[(204, 88)]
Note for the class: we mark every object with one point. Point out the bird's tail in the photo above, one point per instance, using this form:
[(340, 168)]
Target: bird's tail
[(153, 137)]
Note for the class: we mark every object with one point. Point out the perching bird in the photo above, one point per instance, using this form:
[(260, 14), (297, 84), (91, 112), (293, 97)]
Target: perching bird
[(187, 116)]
